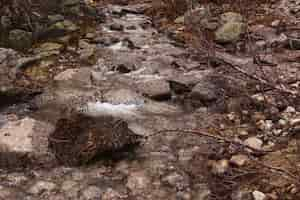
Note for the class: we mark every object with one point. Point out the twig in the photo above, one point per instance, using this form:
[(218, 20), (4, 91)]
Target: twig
[(215, 137), (254, 77)]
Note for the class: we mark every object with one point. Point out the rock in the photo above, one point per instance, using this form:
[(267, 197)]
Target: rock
[(294, 40), (176, 180), (8, 61), (55, 18), (205, 92), (179, 20), (158, 89), (42, 186), (230, 32), (61, 28), (5, 22), (116, 27), (239, 160), (70, 2), (202, 192), (19, 39), (241, 195), (138, 181), (48, 49), (25, 137), (86, 51), (123, 96), (219, 167), (231, 17), (92, 193), (257, 195), (74, 77), (254, 143)]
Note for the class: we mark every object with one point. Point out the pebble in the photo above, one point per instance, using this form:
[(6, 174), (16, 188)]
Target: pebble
[(138, 181), (92, 192), (42, 186), (254, 143), (220, 166), (257, 195), (239, 160)]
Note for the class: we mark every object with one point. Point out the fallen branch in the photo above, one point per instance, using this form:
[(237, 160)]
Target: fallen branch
[(237, 66), (215, 137)]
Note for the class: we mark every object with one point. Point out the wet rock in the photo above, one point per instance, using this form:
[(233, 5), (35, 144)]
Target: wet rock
[(257, 195), (60, 29), (70, 2), (86, 51), (48, 49), (88, 137), (8, 60), (5, 22), (55, 18), (25, 137), (294, 41), (205, 92), (19, 39), (158, 89), (254, 142), (230, 32), (125, 96), (239, 160), (41, 187), (74, 77), (116, 27), (92, 193)]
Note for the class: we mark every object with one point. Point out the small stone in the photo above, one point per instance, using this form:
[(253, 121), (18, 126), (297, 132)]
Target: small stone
[(254, 143), (275, 23), (92, 192), (241, 195), (282, 122), (257, 195), (295, 122), (230, 32), (116, 27), (220, 166), (42, 186), (138, 181), (290, 109), (239, 160), (205, 92)]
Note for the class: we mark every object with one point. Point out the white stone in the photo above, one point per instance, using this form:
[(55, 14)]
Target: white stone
[(239, 160), (254, 143), (25, 136), (138, 181), (257, 195), (42, 186)]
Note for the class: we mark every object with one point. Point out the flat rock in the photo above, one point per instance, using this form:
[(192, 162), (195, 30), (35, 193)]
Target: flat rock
[(24, 137), (155, 88)]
